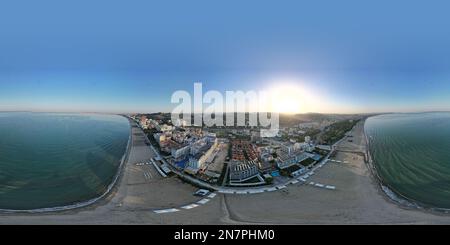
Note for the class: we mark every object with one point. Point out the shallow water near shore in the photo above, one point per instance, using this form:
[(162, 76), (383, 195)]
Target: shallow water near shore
[(412, 155), (51, 160)]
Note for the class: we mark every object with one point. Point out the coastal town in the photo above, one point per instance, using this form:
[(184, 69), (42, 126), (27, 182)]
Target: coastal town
[(239, 159), (316, 171), (246, 116)]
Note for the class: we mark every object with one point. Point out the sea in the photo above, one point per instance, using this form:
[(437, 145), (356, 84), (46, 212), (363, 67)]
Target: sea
[(411, 153), (55, 160)]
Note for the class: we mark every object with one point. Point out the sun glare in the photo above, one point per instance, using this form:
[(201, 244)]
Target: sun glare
[(287, 99)]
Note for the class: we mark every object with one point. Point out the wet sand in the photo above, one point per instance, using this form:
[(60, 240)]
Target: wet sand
[(356, 200)]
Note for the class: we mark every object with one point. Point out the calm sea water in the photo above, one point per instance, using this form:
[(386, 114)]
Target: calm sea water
[(52, 160), (412, 155)]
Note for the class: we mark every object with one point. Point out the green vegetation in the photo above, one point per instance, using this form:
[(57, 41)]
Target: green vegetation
[(223, 173), (269, 181), (336, 131), (287, 171), (150, 131), (293, 168), (284, 172), (312, 132), (307, 162), (321, 152), (221, 134)]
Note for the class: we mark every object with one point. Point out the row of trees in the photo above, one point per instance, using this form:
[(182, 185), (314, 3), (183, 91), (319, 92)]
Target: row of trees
[(336, 131)]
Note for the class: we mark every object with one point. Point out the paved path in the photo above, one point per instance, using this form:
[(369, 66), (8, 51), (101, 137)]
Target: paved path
[(188, 206)]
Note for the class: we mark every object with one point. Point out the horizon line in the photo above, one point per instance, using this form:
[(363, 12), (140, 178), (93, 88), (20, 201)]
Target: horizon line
[(162, 112)]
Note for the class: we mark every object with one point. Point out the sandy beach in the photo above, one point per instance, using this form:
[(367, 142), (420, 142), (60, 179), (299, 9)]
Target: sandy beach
[(141, 190), (357, 199)]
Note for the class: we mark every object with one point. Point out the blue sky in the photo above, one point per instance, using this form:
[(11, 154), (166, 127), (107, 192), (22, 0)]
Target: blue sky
[(129, 56)]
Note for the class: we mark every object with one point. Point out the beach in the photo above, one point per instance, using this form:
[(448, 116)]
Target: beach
[(140, 191), (358, 198)]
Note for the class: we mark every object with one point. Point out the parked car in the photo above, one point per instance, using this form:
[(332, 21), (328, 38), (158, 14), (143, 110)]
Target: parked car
[(201, 193)]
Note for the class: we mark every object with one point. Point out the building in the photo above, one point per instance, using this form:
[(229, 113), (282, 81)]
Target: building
[(203, 144), (286, 161), (306, 147), (168, 145), (160, 138), (324, 147), (243, 171), (290, 148), (204, 154), (179, 136), (256, 136), (194, 164), (211, 135), (143, 120), (266, 157), (181, 152), (166, 128), (265, 166), (307, 139), (180, 123)]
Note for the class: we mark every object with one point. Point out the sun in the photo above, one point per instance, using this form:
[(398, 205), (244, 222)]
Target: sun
[(287, 99), (287, 106)]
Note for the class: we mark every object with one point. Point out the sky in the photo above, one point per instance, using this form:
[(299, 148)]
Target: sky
[(131, 56)]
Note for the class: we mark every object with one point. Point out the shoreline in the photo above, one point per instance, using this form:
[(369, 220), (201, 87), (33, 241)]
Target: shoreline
[(90, 202), (358, 199), (390, 193)]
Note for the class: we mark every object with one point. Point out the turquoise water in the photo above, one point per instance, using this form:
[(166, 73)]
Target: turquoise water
[(412, 155), (51, 160)]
